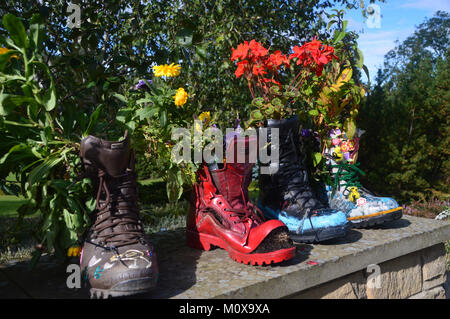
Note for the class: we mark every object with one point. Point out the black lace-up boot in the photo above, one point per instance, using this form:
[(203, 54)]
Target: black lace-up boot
[(117, 259), (287, 195)]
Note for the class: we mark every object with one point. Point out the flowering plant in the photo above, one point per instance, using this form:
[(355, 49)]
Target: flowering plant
[(265, 73), (156, 108)]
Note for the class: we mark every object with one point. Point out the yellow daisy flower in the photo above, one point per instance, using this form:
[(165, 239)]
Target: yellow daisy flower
[(167, 70), (205, 117), (181, 97)]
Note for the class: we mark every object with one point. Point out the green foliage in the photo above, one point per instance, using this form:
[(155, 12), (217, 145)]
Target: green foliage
[(38, 144), (58, 84), (406, 147)]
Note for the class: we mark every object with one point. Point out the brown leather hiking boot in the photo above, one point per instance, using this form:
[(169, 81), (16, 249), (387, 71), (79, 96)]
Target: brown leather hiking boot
[(117, 259)]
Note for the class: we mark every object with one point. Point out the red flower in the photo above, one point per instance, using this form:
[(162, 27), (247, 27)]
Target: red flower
[(259, 69), (276, 59), (314, 44), (313, 52), (257, 49), (241, 68), (299, 53), (240, 52)]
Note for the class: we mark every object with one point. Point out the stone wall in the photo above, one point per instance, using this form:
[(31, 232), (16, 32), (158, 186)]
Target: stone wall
[(418, 275)]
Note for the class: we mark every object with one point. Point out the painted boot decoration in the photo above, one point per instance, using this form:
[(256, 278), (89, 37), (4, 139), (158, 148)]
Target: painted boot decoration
[(286, 195), (363, 209), (221, 215), (117, 259)]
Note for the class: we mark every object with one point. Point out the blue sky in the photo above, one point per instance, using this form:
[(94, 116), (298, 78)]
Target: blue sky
[(398, 21)]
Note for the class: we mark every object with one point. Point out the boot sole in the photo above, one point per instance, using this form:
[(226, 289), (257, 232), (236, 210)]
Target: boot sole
[(125, 288), (377, 218), (321, 235), (207, 242)]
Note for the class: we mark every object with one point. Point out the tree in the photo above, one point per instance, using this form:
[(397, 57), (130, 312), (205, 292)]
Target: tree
[(406, 147)]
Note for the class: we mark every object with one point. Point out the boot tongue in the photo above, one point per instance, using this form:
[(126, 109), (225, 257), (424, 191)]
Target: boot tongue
[(112, 157), (233, 180)]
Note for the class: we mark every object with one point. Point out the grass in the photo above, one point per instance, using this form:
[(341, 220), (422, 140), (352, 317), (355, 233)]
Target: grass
[(155, 217)]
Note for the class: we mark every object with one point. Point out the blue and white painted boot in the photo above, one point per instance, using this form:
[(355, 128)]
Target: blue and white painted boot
[(363, 209), (285, 192)]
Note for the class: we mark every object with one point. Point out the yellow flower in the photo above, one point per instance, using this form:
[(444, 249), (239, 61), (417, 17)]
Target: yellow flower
[(5, 50), (354, 194), (337, 152), (205, 117), (74, 251), (181, 97), (167, 70)]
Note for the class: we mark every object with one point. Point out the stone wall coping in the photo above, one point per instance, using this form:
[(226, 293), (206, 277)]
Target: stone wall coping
[(189, 273)]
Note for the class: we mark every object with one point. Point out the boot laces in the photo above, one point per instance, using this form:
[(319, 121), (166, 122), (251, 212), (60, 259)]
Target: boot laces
[(250, 211), (130, 225), (301, 190), (346, 176)]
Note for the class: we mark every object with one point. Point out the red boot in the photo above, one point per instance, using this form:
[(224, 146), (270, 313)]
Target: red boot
[(222, 215)]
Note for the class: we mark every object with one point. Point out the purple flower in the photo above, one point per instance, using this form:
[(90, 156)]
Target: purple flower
[(306, 132), (335, 133), (143, 84)]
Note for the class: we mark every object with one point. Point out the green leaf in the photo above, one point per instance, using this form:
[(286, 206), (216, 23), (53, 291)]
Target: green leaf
[(16, 148), (366, 70), (201, 52), (344, 25), (330, 24), (36, 32), (8, 102), (41, 171), (277, 102), (256, 115), (317, 157), (49, 99), (147, 112), (144, 100), (269, 110), (359, 59), (174, 184), (123, 115), (313, 112), (93, 120), (163, 118), (258, 102), (120, 97), (338, 36), (16, 30), (350, 128)]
